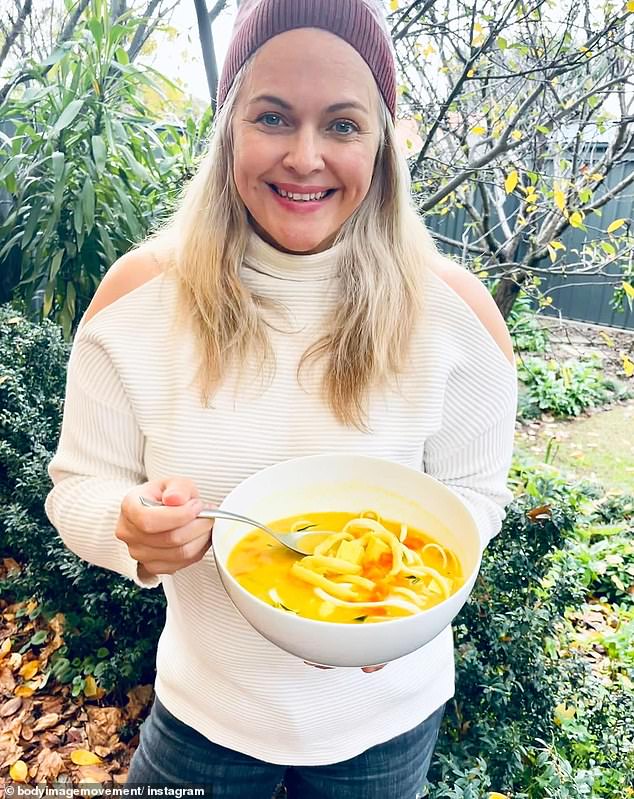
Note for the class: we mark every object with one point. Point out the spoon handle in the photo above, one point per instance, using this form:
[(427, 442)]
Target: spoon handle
[(210, 513)]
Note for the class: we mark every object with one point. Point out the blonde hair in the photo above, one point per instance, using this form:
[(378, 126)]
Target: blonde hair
[(381, 264)]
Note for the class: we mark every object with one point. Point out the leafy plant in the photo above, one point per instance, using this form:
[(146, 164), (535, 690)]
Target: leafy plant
[(88, 171), (524, 328), (101, 609), (563, 389)]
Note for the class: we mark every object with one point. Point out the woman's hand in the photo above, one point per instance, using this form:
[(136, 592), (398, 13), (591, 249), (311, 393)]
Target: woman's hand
[(164, 540), (367, 669)]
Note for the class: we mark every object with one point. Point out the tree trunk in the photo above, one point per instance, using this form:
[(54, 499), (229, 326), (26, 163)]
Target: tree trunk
[(507, 292), (15, 30), (207, 45)]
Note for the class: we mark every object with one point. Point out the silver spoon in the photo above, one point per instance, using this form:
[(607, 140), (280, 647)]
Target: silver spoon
[(290, 540)]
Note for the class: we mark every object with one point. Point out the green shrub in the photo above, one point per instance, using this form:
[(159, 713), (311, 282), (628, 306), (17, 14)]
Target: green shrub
[(524, 328), (87, 169), (102, 609), (563, 389)]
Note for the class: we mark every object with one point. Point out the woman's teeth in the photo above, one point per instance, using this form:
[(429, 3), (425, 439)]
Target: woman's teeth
[(300, 197)]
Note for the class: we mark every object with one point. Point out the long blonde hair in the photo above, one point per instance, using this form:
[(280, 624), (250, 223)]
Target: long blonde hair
[(381, 263)]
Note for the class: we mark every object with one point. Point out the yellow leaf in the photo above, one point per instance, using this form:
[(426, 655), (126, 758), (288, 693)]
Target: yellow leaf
[(615, 225), (393, 5), (596, 176), (19, 771), (557, 245), (576, 219), (90, 686), (560, 199), (630, 6), (608, 339), (471, 73), (82, 757), (552, 254), (512, 179), (5, 648), (517, 135), (483, 274), (628, 365), (478, 130), (496, 795), (30, 669), (24, 690), (628, 289)]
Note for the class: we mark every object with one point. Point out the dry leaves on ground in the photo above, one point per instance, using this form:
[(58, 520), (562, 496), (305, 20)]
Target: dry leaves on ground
[(47, 734)]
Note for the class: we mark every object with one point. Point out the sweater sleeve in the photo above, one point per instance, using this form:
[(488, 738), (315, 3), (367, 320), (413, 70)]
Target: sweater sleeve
[(472, 450), (98, 460)]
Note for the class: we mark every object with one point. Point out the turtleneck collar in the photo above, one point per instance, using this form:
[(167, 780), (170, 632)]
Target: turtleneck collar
[(263, 257)]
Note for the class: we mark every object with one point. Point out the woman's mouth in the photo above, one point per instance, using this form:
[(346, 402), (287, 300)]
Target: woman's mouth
[(312, 198)]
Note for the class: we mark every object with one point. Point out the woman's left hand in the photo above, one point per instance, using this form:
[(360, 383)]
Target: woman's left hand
[(366, 669)]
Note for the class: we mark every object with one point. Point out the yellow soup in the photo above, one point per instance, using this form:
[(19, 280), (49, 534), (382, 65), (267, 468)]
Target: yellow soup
[(362, 568)]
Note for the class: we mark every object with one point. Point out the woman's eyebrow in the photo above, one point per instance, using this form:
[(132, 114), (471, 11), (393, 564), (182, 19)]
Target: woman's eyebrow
[(269, 98)]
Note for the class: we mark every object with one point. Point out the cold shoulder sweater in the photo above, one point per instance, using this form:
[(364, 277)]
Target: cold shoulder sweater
[(133, 413)]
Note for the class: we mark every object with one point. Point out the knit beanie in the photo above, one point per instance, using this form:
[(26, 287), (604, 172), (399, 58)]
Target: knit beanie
[(359, 22)]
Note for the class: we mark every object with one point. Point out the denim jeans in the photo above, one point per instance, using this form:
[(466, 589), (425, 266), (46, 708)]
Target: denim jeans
[(172, 753)]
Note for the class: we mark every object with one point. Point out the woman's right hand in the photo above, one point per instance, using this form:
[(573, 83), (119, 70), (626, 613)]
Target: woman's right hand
[(164, 540)]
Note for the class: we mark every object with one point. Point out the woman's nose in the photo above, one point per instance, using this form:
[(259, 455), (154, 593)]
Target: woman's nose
[(304, 153)]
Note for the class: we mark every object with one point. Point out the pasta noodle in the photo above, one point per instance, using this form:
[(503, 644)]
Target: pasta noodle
[(363, 569)]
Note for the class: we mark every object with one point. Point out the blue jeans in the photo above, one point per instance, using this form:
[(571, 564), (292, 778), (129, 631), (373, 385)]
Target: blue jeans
[(172, 753)]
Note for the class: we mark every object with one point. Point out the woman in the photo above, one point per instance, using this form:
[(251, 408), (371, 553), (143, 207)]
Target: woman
[(293, 305)]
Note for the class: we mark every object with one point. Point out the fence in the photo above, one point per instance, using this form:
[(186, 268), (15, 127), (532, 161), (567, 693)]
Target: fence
[(583, 298)]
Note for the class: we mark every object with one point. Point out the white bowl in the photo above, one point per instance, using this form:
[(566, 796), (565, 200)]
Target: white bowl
[(351, 483)]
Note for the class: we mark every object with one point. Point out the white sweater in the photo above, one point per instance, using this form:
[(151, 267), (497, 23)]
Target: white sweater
[(132, 415)]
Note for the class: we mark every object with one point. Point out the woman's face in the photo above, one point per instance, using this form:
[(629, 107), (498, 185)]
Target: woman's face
[(306, 122)]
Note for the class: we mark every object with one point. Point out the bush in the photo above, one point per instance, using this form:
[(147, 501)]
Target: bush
[(102, 609), (87, 170), (524, 328), (564, 389)]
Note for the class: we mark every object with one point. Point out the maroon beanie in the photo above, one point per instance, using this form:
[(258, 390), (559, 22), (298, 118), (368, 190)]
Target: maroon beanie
[(352, 20)]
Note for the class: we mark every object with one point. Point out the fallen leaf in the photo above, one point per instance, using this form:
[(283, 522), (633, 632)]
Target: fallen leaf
[(27, 733), (82, 757), (10, 707), (138, 699), (19, 771), (5, 648), (103, 726), (46, 722), (24, 690), (93, 774), (30, 669), (7, 681), (49, 765)]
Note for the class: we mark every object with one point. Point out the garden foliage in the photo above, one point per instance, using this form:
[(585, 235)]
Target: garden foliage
[(87, 170)]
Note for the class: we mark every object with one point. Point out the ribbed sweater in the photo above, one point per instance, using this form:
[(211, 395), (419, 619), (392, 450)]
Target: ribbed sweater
[(133, 413)]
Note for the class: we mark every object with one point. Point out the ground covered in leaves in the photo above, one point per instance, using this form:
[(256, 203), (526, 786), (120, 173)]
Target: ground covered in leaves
[(46, 733)]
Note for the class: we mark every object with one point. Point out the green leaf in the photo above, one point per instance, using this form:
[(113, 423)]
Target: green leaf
[(38, 638), (49, 293), (96, 28), (34, 220), (66, 117), (608, 248), (58, 160), (55, 264), (71, 296), (502, 43), (121, 56), (109, 250), (78, 216), (130, 213), (88, 203), (99, 152)]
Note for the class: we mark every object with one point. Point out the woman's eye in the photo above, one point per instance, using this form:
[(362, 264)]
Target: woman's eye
[(351, 127), (269, 116)]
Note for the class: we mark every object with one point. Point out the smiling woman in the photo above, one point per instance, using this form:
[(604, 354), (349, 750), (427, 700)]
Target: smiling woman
[(293, 304), (291, 138)]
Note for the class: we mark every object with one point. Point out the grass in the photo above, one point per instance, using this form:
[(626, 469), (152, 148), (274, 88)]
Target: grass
[(598, 447)]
